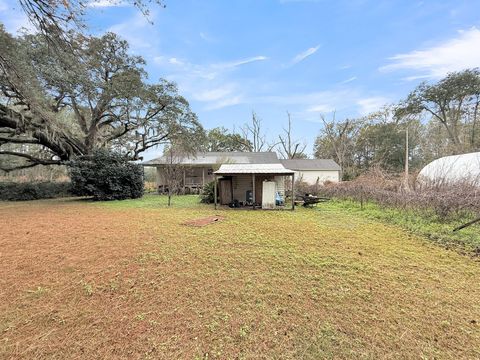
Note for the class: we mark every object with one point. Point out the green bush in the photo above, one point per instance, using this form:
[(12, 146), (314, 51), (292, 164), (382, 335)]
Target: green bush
[(32, 191), (106, 176), (208, 193)]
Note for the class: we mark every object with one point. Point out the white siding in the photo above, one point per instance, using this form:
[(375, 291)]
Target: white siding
[(280, 181), (312, 176)]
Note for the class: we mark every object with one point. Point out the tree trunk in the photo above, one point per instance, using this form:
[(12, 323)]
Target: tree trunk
[(475, 112)]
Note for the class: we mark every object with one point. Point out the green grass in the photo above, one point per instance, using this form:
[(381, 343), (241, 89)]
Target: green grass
[(128, 279), (153, 201), (428, 225), (422, 223)]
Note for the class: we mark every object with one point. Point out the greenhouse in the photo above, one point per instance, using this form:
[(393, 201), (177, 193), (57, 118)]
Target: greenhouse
[(452, 169)]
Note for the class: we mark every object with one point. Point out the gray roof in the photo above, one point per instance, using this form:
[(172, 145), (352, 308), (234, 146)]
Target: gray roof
[(311, 164), (229, 157), (230, 169)]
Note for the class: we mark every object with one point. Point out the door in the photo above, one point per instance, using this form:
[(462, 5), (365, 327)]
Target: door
[(225, 186)]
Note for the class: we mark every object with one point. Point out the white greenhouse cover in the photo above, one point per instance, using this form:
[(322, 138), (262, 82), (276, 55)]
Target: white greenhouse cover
[(452, 169)]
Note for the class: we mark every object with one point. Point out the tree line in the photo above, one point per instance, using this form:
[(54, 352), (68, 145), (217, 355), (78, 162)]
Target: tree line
[(441, 119), (64, 94)]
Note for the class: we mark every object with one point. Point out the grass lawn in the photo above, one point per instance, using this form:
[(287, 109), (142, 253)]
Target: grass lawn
[(127, 280), (424, 223)]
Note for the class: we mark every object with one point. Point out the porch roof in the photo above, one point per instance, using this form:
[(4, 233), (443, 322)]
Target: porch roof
[(232, 169)]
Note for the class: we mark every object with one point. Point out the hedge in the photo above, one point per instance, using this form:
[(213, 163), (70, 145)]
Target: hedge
[(12, 191)]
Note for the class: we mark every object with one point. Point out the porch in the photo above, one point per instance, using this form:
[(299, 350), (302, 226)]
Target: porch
[(193, 179)]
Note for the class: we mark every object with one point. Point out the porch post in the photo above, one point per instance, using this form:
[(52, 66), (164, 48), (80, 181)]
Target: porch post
[(293, 191), (203, 177), (215, 192), (253, 191), (184, 181)]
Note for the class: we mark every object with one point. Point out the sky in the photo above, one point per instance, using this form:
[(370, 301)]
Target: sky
[(308, 57)]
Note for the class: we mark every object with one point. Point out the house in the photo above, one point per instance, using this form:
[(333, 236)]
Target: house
[(246, 179), (314, 171), (199, 168)]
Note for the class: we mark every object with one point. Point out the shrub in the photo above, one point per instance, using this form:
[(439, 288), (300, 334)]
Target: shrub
[(13, 191), (446, 202), (303, 188), (106, 176), (208, 193)]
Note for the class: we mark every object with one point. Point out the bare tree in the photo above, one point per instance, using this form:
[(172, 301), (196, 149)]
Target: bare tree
[(254, 138), (337, 140), (174, 170), (290, 148)]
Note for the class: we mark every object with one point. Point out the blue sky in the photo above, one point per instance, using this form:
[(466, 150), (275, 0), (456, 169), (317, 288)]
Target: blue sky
[(308, 57)]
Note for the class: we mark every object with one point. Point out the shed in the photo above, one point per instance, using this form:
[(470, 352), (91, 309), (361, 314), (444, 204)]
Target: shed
[(244, 183), (314, 171)]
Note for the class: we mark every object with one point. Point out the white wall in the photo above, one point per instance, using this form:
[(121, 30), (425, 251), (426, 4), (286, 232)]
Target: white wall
[(311, 176), (280, 181)]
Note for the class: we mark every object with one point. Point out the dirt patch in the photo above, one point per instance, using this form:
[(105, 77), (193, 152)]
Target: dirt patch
[(204, 221)]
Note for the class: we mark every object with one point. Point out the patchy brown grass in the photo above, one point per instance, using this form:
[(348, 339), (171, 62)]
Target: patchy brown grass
[(128, 280)]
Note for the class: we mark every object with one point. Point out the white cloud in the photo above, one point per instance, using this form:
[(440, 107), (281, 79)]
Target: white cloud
[(220, 97), (228, 101), (323, 108), (371, 104), (106, 3), (207, 37), (297, 1), (323, 102), (437, 61), (353, 78), (175, 61), (210, 84), (314, 102), (242, 62), (305, 54), (135, 30), (214, 94)]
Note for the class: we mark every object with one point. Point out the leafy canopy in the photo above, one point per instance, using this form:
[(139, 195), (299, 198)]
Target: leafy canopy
[(70, 103)]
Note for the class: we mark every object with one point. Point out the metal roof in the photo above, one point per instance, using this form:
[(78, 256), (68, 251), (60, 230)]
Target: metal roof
[(221, 157), (231, 169), (311, 164)]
